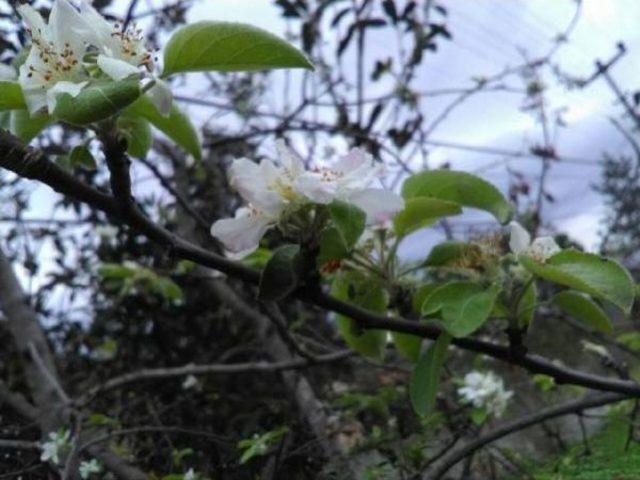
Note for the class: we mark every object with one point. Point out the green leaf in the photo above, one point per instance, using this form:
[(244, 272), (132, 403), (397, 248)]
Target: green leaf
[(597, 276), (228, 47), (355, 287), (137, 131), (281, 275), (462, 306), (96, 102), (349, 220), (26, 128), (11, 97), (527, 305), (80, 156), (451, 253), (332, 247), (176, 125), (420, 212), (168, 289), (459, 187), (408, 345), (582, 308), (423, 386)]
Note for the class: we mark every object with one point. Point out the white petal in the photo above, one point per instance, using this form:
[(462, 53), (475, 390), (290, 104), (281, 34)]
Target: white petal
[(34, 21), (70, 88), (520, 239), (544, 247), (115, 68), (353, 160), (64, 21), (7, 73), (97, 30), (312, 186), (289, 159), (34, 86), (379, 205), (253, 183), (161, 97), (242, 233)]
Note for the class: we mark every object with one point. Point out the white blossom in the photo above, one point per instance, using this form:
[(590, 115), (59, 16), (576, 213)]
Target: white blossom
[(86, 469), (54, 63), (271, 189), (190, 475), (540, 249), (122, 52), (190, 382), (485, 390), (57, 444)]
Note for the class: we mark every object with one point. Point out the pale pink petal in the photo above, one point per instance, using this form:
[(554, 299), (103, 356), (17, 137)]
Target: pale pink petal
[(312, 186), (242, 233), (379, 205)]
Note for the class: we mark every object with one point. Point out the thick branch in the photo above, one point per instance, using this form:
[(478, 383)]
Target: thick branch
[(12, 157)]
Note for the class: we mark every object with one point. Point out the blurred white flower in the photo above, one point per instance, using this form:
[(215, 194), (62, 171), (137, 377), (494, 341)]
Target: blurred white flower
[(190, 382), (485, 390), (540, 249), (57, 444), (54, 64), (86, 469), (190, 475), (270, 189)]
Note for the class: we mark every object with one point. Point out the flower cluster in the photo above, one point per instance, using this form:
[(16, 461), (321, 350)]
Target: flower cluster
[(57, 445), (540, 249), (486, 391), (271, 191), (75, 47)]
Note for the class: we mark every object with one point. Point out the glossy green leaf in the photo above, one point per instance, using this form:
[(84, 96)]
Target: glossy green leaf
[(96, 102), (355, 287), (459, 187), (11, 97), (80, 156), (228, 47), (461, 307), (584, 309), (349, 220), (281, 275), (137, 131), (332, 247), (408, 345), (176, 125), (27, 128), (598, 276), (420, 212), (423, 387), (527, 305)]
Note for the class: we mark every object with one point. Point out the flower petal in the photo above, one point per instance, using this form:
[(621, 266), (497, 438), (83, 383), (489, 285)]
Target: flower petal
[(59, 88), (34, 21), (242, 233), (290, 161), (64, 23), (253, 183), (379, 205), (544, 247), (520, 239), (161, 97), (115, 68), (314, 187), (96, 30)]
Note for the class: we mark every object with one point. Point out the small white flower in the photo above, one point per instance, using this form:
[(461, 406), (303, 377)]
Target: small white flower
[(86, 469), (485, 390), (190, 475), (190, 382), (270, 190), (122, 52), (54, 64), (540, 249), (57, 444)]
